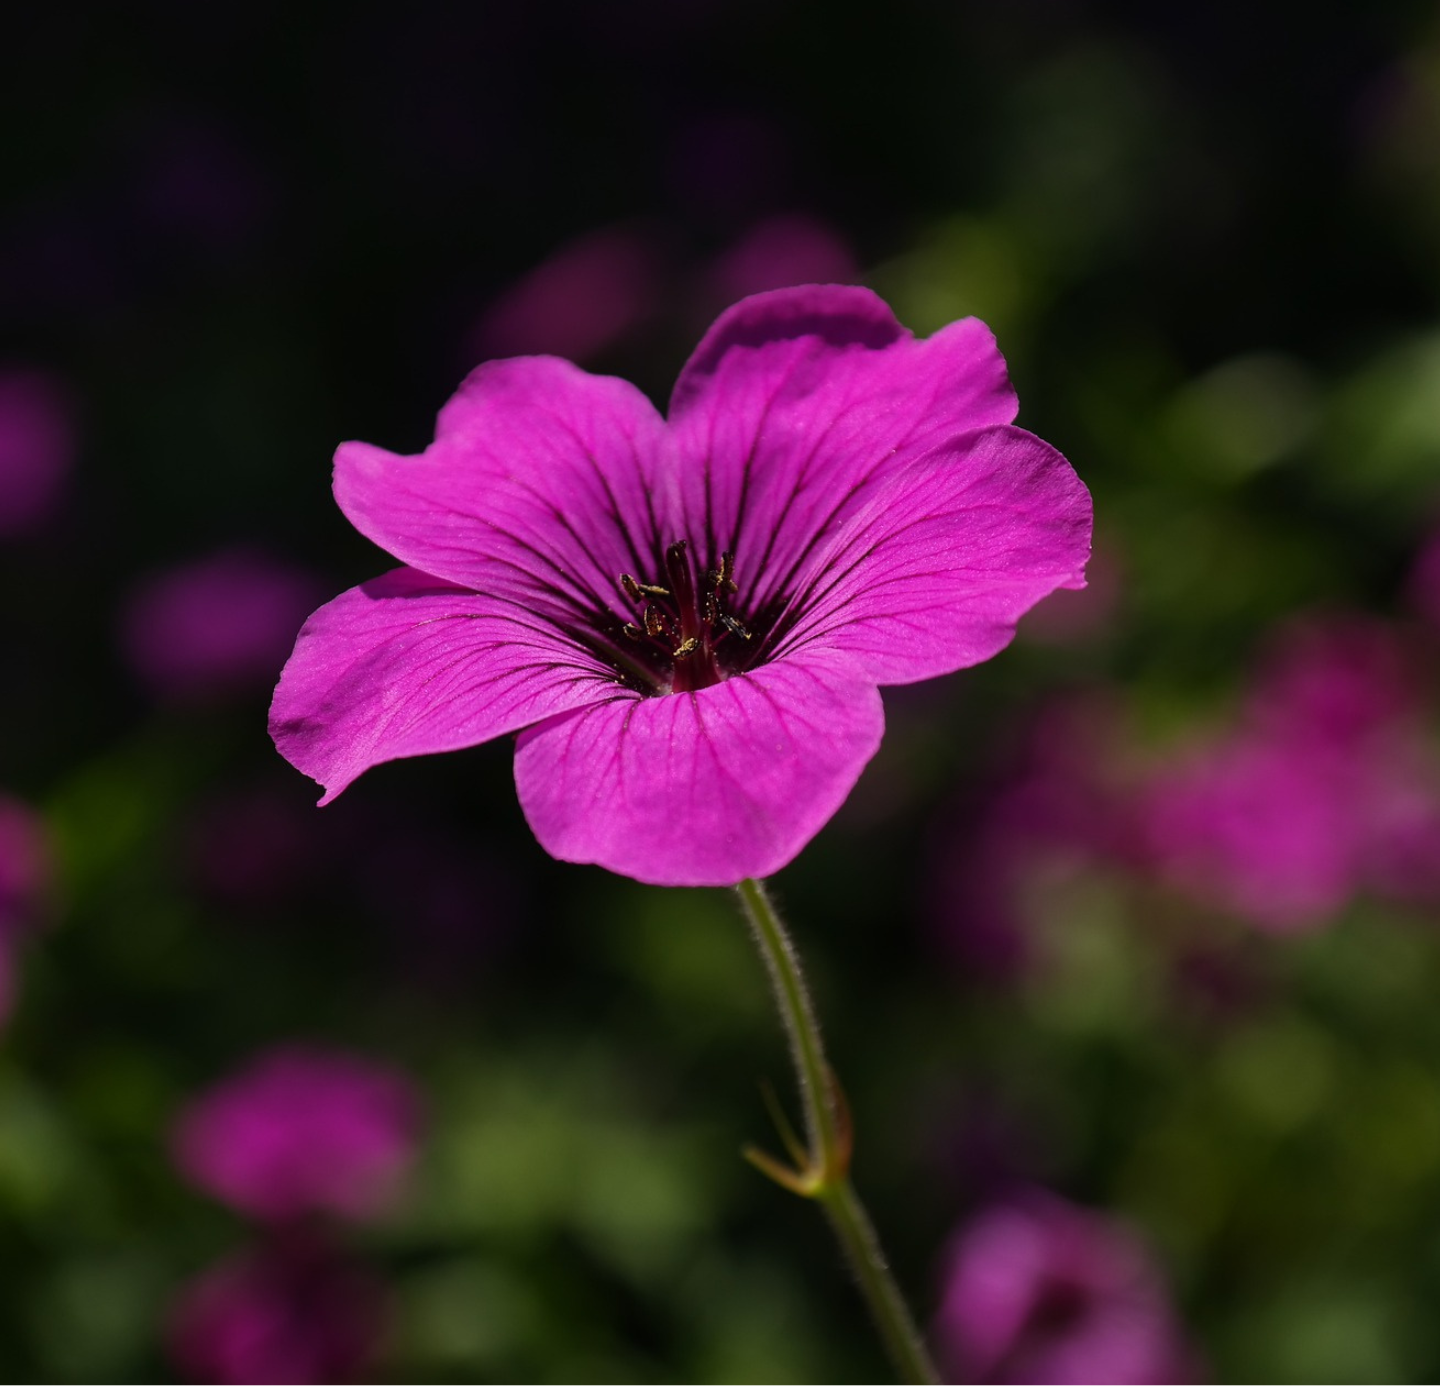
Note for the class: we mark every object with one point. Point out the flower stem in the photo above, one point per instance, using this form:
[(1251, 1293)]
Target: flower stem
[(822, 1164)]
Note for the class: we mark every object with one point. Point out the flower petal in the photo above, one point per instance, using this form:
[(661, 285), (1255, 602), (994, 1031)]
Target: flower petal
[(701, 788), (543, 485), (409, 664), (933, 573), (798, 403)]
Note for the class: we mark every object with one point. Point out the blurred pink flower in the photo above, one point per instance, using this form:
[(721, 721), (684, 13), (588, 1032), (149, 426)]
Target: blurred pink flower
[(1401, 824), (1039, 1290), (25, 867), (588, 294), (779, 253), (215, 626), (25, 882), (301, 1131), (1341, 677), (1327, 784), (1260, 826), (37, 448), (293, 1309)]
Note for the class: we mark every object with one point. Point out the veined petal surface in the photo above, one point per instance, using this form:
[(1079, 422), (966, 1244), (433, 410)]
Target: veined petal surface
[(932, 575), (408, 664), (543, 485), (702, 788), (795, 407)]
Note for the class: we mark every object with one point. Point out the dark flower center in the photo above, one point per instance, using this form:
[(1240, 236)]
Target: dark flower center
[(682, 622)]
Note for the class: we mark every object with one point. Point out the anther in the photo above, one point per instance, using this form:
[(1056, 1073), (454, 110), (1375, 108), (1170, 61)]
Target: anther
[(733, 626), (656, 622), (722, 576), (638, 590), (686, 648), (633, 631)]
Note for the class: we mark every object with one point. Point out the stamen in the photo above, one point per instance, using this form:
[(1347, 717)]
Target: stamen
[(685, 623), (636, 590), (722, 577)]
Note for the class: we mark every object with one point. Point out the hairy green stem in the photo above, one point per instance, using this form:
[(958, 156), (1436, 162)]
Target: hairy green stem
[(822, 1169)]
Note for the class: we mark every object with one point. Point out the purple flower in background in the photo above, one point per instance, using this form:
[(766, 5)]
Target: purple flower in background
[(1340, 678), (1039, 1290), (1260, 826), (37, 448), (1327, 785), (25, 876), (301, 1131), (779, 252), (293, 1309), (1401, 851), (687, 621), (214, 626), (584, 297), (25, 867)]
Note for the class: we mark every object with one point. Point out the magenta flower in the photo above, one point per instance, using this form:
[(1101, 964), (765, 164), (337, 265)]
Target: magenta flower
[(1339, 676), (779, 252), (26, 871), (1329, 785), (37, 448), (301, 1131), (25, 868), (294, 1309), (216, 625), (1261, 826), (586, 296), (688, 621), (1039, 1290)]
